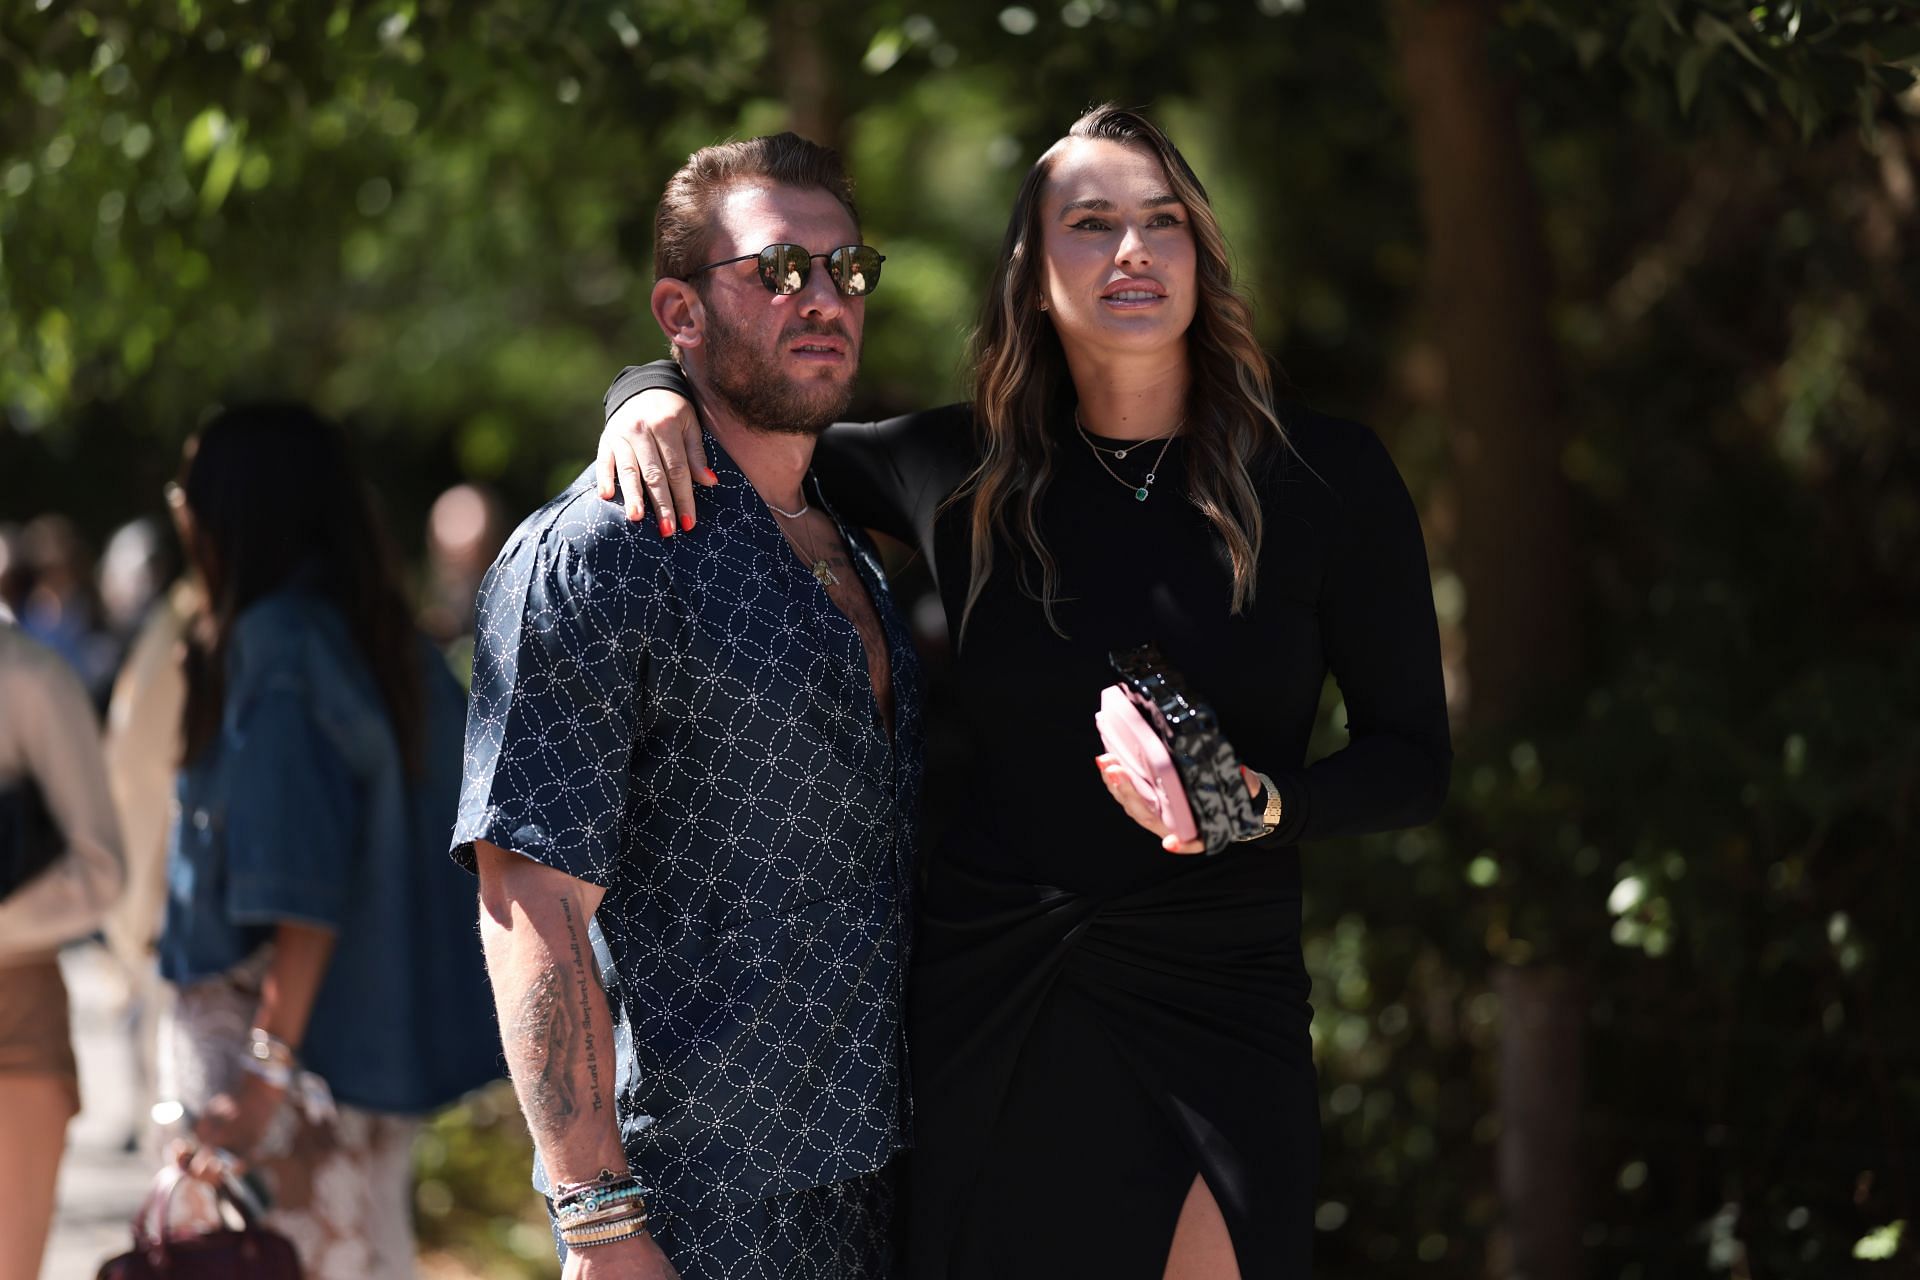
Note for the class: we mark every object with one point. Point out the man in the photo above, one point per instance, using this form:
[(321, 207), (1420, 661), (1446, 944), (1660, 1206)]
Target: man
[(692, 765)]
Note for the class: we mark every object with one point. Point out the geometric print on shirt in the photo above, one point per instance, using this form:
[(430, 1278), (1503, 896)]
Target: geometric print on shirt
[(689, 722)]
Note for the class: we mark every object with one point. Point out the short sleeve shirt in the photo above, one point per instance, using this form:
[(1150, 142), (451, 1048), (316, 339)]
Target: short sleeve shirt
[(690, 723)]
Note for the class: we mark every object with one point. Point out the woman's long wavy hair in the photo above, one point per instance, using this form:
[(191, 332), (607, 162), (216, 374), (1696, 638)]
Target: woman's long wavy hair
[(271, 494), (1023, 391)]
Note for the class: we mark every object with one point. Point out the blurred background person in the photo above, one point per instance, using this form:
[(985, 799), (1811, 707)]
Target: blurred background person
[(61, 608), (319, 943), (50, 763), (13, 569), (135, 570), (465, 530), (143, 750)]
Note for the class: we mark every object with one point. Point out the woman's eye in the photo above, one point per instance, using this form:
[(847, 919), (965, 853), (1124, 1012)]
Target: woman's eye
[(1165, 220), (1090, 224)]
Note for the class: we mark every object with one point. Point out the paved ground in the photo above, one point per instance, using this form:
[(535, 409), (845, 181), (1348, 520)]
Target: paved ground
[(101, 1183)]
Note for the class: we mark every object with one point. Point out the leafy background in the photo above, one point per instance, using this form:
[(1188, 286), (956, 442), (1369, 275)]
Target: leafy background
[(1687, 837)]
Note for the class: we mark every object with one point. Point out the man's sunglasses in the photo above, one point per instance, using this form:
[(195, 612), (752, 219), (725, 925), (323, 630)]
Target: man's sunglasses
[(784, 268)]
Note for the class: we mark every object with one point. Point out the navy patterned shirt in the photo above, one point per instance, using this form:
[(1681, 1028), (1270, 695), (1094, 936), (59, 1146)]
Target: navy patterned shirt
[(690, 723)]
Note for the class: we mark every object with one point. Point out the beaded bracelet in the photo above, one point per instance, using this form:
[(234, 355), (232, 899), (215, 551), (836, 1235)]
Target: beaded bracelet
[(635, 1234), (264, 1046), (587, 1237), (594, 1201), (595, 1217), (598, 1186)]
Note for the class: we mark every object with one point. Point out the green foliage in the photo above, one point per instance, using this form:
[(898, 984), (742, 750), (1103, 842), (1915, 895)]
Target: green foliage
[(434, 217), (1809, 62), (473, 1195)]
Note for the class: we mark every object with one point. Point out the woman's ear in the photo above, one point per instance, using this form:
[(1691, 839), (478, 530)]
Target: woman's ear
[(680, 313)]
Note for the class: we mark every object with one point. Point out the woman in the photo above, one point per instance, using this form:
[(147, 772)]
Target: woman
[(1113, 1074), (329, 985), (53, 800)]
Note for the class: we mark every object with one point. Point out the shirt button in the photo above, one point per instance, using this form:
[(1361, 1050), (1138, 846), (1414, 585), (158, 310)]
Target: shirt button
[(202, 819)]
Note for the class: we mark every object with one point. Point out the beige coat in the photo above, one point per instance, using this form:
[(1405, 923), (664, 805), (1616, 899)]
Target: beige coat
[(48, 731)]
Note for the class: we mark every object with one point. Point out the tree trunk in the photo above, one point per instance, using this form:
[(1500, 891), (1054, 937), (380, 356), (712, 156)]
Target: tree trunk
[(1490, 292), (1490, 295), (1542, 1060), (806, 80)]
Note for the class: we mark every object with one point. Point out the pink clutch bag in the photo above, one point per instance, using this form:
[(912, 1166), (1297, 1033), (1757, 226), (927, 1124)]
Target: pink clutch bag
[(1136, 745), (1174, 753)]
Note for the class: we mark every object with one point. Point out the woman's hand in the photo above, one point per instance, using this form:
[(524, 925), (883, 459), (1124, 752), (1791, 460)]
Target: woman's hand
[(1121, 787), (232, 1124), (651, 449)]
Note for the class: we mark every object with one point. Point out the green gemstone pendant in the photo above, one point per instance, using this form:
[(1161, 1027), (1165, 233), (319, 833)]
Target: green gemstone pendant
[(1140, 494)]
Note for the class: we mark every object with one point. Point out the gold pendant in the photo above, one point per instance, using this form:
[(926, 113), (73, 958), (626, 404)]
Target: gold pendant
[(824, 574)]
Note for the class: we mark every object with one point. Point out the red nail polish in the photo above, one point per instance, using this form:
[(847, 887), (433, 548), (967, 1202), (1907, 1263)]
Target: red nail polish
[(712, 476), (666, 527), (686, 523)]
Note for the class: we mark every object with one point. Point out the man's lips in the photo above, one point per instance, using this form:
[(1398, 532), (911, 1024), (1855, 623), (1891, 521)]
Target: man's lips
[(819, 347)]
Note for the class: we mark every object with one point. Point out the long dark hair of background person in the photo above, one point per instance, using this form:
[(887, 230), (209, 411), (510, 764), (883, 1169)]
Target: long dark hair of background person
[(247, 538)]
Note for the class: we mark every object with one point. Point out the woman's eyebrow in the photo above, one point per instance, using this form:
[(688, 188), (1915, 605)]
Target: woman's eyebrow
[(1098, 205)]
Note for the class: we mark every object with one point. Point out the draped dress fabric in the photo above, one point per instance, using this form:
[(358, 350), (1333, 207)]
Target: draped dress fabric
[(1092, 1021)]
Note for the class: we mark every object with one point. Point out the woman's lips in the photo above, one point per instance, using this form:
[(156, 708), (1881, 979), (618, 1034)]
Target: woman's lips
[(1133, 299)]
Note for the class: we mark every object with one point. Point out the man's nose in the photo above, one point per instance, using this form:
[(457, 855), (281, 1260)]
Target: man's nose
[(820, 297)]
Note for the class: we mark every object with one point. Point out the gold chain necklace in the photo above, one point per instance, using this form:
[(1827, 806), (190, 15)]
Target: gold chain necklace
[(1144, 490), (817, 565)]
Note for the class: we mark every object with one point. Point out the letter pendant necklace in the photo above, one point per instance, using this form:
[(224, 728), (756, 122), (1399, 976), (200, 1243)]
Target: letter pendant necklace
[(1144, 490)]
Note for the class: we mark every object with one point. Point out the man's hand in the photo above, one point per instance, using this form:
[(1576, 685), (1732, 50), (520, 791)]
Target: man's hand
[(652, 447), (638, 1259)]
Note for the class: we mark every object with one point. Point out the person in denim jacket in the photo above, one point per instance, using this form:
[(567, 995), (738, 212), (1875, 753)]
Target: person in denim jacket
[(330, 987)]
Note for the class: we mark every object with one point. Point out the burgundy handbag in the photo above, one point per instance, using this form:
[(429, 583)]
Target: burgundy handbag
[(252, 1253)]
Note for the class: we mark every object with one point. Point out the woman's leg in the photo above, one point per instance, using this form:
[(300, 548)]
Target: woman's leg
[(1202, 1249), (33, 1132)]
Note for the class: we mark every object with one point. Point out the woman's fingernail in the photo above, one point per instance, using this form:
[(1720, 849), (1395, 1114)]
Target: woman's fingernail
[(686, 523), (666, 527), (713, 477)]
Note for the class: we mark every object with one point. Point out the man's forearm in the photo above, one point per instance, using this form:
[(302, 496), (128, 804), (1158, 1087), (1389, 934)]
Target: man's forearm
[(554, 1022)]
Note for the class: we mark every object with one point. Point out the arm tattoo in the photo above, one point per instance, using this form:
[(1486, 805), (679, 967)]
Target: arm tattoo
[(582, 976), (544, 1035)]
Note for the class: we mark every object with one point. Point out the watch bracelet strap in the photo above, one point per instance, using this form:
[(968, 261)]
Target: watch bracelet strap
[(1271, 812)]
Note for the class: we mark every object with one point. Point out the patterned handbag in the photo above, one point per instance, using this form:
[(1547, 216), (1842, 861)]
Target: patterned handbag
[(1174, 751), (252, 1253)]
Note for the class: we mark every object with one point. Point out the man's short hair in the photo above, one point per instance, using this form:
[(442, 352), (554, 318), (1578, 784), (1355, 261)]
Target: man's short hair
[(683, 225)]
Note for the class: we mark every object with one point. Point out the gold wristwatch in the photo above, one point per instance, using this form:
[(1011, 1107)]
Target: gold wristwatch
[(1270, 819)]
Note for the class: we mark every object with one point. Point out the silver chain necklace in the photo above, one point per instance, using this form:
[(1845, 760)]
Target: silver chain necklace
[(1144, 490)]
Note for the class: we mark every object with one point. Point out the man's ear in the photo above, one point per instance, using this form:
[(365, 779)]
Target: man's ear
[(680, 313)]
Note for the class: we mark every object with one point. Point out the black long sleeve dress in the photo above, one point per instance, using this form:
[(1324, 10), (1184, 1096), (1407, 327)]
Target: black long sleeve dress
[(1093, 1020)]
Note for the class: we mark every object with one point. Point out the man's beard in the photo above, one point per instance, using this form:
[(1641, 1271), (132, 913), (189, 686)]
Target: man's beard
[(762, 394)]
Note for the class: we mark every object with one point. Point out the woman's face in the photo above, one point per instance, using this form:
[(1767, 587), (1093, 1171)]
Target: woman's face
[(1117, 269)]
